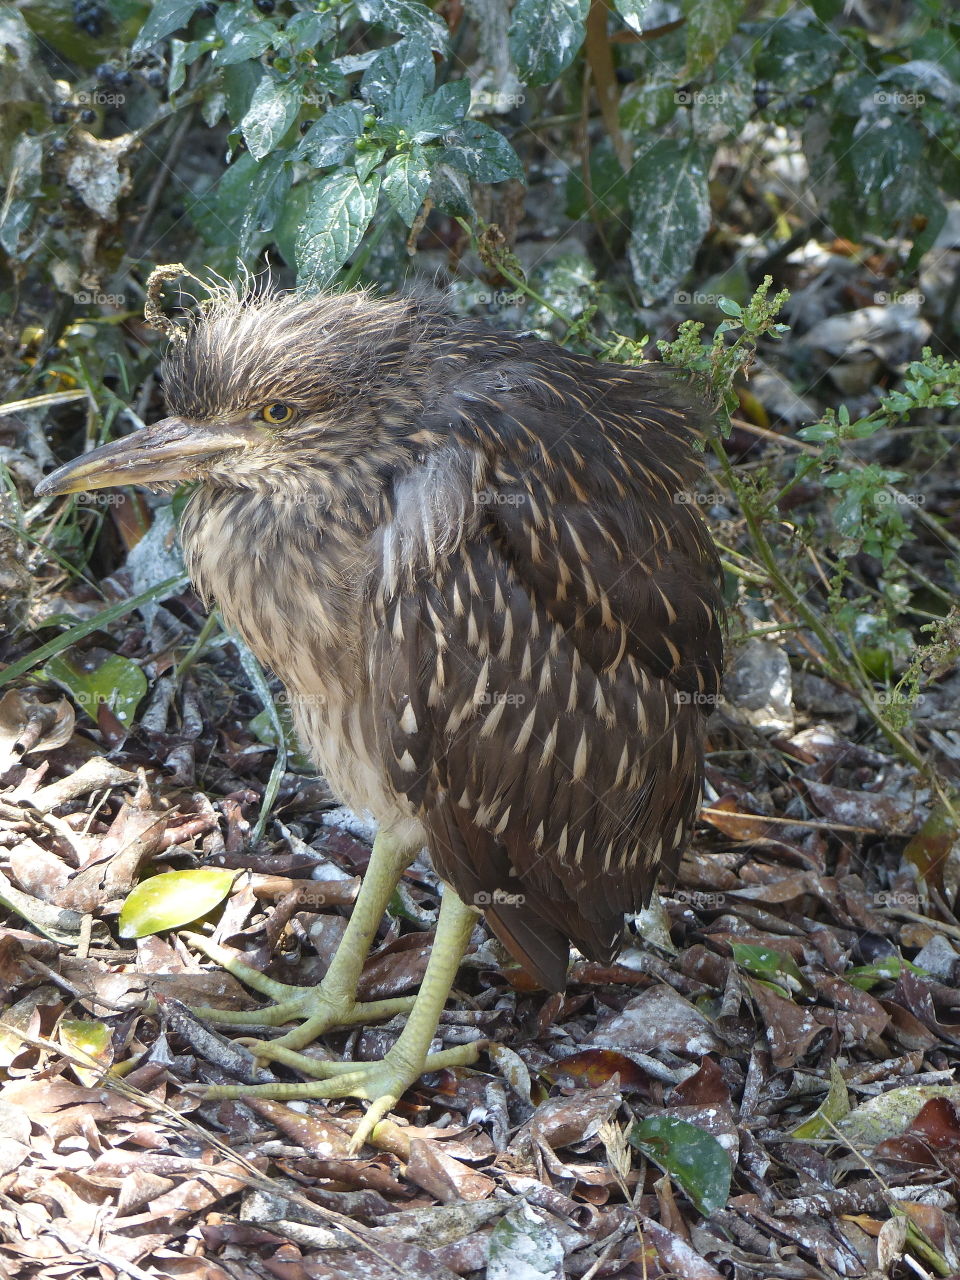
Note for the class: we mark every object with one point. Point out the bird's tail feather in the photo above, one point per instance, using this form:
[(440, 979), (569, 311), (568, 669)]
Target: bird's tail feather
[(542, 950)]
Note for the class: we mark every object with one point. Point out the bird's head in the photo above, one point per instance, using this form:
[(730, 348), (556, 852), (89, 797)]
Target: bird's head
[(272, 391)]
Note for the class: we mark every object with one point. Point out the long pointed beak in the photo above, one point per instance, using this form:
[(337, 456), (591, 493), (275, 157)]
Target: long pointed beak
[(166, 452)]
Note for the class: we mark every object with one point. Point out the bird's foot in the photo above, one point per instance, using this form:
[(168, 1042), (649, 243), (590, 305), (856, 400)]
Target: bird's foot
[(381, 1083), (318, 1008)]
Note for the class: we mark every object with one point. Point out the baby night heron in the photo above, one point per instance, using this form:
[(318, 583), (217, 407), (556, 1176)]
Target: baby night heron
[(473, 561)]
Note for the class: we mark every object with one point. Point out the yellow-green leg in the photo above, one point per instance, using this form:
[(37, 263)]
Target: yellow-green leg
[(382, 1083), (333, 1003)]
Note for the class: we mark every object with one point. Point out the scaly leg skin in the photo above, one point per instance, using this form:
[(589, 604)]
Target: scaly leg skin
[(384, 1082), (332, 1003)]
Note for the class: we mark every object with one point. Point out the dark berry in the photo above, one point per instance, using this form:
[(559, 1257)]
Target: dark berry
[(88, 116), (56, 222), (808, 102), (761, 98), (59, 115), (265, 6), (106, 72), (155, 78), (124, 78), (88, 16), (306, 124), (58, 145)]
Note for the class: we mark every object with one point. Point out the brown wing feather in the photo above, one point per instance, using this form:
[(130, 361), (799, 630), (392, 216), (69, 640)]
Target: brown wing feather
[(545, 677)]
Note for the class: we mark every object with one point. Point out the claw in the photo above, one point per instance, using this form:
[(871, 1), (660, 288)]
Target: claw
[(382, 1083), (334, 1004)]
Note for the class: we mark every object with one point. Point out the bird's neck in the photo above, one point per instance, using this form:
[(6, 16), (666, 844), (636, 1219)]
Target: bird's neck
[(287, 569)]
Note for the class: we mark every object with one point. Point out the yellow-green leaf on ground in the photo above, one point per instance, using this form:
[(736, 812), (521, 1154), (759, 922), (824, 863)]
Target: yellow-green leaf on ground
[(173, 898), (89, 1041), (823, 1122)]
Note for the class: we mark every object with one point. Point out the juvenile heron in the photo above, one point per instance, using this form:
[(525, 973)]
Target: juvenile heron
[(473, 561)]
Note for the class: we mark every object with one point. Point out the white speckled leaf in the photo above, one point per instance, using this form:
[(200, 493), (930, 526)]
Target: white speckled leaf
[(273, 109), (670, 207), (523, 1246), (545, 36), (338, 214)]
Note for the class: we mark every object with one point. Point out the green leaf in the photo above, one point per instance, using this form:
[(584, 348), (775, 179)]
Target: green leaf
[(265, 196), (633, 12), (366, 160), (710, 24), (338, 213), (886, 969), (545, 36), (400, 77), (886, 176), (240, 82), (766, 963), (693, 1158), (274, 728), (670, 207), (921, 75), (730, 307), (608, 193), (290, 220), (848, 513), (410, 18), (221, 209), (182, 55), (649, 102), (330, 140), (797, 56), (450, 185), (89, 1042), (834, 1107), (308, 30), (482, 152), (272, 111), (173, 898), (406, 181), (165, 17), (243, 35), (117, 681), (439, 113), (819, 432)]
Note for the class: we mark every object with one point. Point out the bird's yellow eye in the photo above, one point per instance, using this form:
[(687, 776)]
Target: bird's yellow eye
[(277, 413)]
